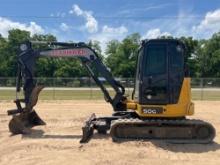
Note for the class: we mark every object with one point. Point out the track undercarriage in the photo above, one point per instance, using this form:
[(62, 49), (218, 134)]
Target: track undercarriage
[(124, 128)]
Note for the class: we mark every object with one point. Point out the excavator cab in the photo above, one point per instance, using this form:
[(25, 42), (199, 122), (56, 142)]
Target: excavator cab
[(160, 72), (162, 87)]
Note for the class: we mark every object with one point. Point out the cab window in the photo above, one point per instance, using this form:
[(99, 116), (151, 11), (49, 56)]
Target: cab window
[(156, 60)]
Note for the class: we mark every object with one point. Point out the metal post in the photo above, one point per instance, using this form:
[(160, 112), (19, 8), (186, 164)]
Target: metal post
[(53, 88), (202, 86), (127, 86), (91, 91)]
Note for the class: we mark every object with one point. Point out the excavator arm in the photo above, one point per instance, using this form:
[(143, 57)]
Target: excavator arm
[(27, 59), (25, 118)]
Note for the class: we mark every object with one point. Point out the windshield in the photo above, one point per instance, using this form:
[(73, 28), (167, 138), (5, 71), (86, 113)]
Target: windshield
[(156, 59)]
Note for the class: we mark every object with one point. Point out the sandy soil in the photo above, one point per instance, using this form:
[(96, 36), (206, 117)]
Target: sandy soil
[(58, 141)]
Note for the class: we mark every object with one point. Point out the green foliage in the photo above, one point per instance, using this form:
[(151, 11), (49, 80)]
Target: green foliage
[(45, 66), (8, 51), (96, 46), (3, 57), (208, 57), (202, 56), (121, 56), (190, 45)]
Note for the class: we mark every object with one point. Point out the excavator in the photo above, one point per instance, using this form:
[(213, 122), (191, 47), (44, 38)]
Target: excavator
[(157, 110)]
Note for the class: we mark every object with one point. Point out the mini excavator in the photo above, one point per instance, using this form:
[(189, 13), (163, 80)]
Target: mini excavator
[(160, 102)]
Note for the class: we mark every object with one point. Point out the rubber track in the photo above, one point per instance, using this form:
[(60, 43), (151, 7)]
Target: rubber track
[(192, 125)]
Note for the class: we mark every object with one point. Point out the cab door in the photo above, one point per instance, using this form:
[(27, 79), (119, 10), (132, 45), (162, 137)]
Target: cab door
[(162, 72), (154, 84)]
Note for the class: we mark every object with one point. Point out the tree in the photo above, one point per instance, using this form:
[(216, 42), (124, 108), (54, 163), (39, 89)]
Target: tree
[(96, 46), (3, 57), (191, 45), (15, 38), (208, 56), (122, 56), (46, 67)]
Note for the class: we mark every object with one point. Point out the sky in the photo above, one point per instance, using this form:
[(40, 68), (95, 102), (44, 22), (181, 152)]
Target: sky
[(83, 20)]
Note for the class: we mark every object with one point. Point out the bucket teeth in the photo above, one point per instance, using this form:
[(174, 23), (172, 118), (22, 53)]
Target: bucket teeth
[(21, 124), (34, 119), (88, 129)]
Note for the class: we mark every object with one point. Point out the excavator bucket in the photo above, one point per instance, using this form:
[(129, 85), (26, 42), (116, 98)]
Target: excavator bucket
[(25, 118), (21, 123)]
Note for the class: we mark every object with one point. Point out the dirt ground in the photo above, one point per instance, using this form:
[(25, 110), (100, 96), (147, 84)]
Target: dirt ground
[(58, 141)]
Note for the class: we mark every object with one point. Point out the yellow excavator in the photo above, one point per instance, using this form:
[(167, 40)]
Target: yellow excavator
[(160, 102)]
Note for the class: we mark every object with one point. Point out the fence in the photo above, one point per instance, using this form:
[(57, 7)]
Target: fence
[(85, 88)]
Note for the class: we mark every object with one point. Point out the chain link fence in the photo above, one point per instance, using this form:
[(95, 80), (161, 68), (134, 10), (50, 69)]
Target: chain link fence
[(86, 88)]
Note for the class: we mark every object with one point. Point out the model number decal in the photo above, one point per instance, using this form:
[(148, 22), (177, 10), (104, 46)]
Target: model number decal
[(152, 110)]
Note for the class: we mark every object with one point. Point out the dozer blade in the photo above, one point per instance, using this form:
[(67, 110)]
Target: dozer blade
[(88, 129), (21, 123)]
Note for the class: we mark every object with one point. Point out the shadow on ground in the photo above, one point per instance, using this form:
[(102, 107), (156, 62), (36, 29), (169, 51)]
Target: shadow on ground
[(185, 148), (39, 134)]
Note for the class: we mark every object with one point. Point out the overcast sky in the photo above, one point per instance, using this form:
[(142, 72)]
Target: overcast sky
[(81, 20)]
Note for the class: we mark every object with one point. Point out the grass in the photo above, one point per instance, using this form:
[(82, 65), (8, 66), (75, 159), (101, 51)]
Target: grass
[(95, 95), (58, 95), (206, 95)]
